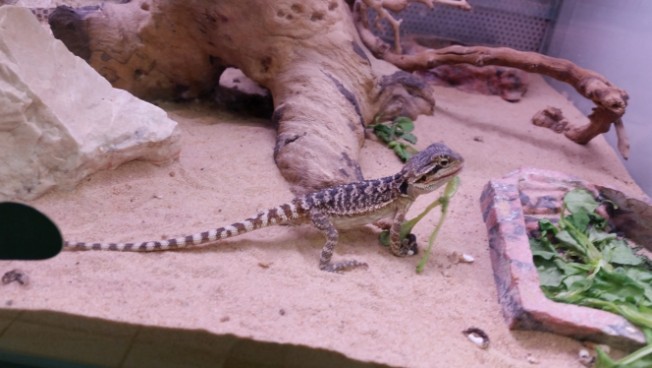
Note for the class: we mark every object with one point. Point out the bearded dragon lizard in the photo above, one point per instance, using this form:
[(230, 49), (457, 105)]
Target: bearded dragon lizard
[(337, 207)]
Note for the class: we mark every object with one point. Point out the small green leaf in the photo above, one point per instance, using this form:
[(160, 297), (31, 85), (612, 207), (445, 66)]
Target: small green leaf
[(577, 282), (597, 236), (547, 227), (401, 152), (638, 274), (383, 132), (411, 138), (550, 277), (568, 240), (617, 287), (405, 156), (580, 200), (572, 268), (405, 124), (540, 249), (579, 219), (618, 252)]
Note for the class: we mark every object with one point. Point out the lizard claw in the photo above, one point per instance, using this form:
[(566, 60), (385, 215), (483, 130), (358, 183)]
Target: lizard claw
[(409, 246)]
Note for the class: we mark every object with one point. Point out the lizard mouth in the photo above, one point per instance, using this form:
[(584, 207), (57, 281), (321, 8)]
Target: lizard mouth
[(437, 182)]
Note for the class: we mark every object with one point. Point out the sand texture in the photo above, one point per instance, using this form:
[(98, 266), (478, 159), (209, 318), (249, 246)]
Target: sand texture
[(266, 285)]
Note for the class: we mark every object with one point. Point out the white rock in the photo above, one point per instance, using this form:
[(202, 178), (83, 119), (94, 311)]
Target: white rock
[(456, 257), (467, 258), (477, 339), (60, 120)]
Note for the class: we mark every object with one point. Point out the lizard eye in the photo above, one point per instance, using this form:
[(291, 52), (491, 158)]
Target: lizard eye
[(444, 161)]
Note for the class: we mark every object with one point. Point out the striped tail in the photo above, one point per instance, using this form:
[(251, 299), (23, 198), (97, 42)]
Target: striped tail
[(283, 214)]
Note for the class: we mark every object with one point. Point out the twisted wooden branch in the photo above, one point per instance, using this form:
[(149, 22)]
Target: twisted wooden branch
[(610, 100)]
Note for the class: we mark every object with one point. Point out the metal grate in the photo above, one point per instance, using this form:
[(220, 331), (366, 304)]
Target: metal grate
[(520, 24)]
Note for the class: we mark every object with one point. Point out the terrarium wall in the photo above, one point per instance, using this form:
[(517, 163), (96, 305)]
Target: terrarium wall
[(612, 38)]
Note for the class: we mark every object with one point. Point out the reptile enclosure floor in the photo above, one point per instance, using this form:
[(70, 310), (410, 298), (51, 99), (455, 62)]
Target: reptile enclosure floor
[(215, 306)]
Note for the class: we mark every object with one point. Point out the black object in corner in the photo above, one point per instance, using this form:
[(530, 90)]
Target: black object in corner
[(27, 234)]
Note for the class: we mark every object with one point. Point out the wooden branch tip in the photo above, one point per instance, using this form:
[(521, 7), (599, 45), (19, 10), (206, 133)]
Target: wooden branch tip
[(551, 118), (622, 139)]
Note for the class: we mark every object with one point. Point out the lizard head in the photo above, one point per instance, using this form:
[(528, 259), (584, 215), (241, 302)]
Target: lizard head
[(431, 168)]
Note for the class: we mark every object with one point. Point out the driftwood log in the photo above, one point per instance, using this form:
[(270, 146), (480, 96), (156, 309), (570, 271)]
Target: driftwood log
[(328, 74)]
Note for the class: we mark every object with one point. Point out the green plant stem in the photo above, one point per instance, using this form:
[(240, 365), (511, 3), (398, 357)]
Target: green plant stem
[(444, 201), (635, 356), (407, 226)]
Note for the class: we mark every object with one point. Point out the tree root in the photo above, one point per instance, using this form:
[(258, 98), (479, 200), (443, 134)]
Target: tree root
[(326, 87)]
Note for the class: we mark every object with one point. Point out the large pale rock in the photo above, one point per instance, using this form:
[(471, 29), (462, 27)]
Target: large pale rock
[(60, 120)]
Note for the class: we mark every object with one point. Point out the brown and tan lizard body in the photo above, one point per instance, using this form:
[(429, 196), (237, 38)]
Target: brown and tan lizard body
[(338, 207)]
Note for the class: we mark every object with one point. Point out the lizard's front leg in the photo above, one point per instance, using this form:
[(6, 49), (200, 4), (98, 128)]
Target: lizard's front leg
[(325, 225), (401, 247)]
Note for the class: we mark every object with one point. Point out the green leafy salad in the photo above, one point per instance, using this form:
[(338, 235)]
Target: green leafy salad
[(580, 262)]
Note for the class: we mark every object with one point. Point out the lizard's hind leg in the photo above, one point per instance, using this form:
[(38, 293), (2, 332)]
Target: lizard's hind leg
[(324, 224)]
